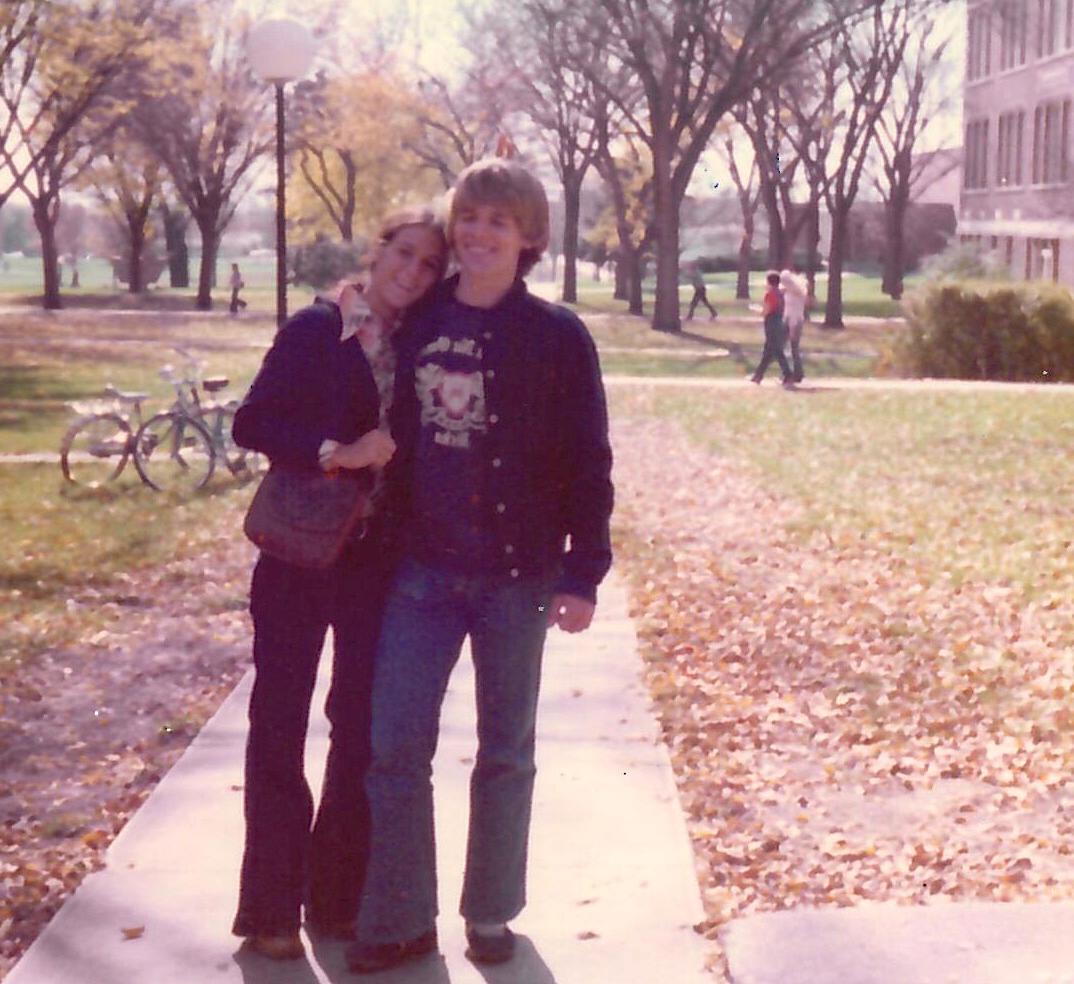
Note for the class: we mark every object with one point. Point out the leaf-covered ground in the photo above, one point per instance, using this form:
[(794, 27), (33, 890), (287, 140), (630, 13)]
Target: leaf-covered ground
[(846, 722), (88, 728)]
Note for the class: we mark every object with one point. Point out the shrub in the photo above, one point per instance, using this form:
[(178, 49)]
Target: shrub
[(965, 261), (1019, 332), (324, 262)]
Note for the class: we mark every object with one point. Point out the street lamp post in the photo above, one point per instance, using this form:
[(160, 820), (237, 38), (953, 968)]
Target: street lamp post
[(280, 50)]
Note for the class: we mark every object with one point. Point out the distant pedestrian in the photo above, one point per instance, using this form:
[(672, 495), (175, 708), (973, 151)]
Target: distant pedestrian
[(693, 271), (795, 299), (236, 284), (775, 332)]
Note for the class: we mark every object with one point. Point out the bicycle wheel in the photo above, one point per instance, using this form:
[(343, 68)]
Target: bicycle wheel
[(240, 462), (95, 449), (174, 453)]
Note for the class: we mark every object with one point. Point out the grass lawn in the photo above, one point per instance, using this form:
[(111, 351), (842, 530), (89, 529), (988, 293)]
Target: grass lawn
[(862, 296), (20, 283), (48, 361), (967, 485), (61, 543)]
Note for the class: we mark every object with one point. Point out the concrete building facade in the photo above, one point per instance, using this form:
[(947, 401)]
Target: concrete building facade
[(1017, 195)]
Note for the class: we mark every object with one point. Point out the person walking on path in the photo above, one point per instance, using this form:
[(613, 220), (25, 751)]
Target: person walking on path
[(774, 332), (504, 423), (236, 283), (320, 400), (795, 298), (697, 281)]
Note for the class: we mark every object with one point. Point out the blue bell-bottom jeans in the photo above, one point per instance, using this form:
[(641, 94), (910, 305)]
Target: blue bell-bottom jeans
[(428, 616)]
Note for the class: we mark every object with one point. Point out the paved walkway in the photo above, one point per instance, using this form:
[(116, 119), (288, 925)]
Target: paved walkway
[(612, 889)]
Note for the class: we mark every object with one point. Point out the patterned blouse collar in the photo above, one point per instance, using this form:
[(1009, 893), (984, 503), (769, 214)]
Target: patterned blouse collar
[(361, 315)]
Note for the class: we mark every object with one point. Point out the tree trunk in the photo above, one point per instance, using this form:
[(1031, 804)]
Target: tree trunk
[(775, 223), (620, 292), (572, 206), (812, 257), (45, 221), (745, 248), (175, 223), (895, 254), (833, 309), (136, 239), (634, 276), (210, 244), (666, 220)]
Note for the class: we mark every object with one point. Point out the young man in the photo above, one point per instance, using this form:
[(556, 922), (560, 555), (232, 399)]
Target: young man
[(502, 429), (775, 333)]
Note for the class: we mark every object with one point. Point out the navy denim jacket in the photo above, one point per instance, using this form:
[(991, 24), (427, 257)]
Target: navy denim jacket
[(547, 455)]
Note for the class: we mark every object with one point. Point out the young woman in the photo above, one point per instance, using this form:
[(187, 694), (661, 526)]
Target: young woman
[(320, 400)]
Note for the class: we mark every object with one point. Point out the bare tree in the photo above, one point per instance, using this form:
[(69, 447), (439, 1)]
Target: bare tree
[(902, 174), (625, 170), (126, 180), (457, 124), (529, 45), (205, 117), (748, 188), (835, 120), (59, 94), (695, 60), (781, 170)]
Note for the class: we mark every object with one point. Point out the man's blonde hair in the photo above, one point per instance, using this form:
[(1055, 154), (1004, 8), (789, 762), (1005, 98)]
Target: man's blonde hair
[(508, 185)]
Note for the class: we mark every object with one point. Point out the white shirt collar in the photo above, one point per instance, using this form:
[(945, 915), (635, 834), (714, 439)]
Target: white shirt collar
[(358, 315)]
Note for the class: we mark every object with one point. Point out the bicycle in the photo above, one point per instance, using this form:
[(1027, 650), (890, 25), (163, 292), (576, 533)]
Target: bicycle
[(98, 444), (177, 449)]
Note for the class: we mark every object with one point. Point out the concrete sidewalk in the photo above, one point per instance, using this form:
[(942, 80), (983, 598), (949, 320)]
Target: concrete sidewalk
[(612, 888)]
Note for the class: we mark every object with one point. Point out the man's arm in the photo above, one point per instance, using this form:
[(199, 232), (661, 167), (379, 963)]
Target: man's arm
[(587, 485)]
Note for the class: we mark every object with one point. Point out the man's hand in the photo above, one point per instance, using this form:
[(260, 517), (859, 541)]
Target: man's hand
[(570, 613), (372, 449)]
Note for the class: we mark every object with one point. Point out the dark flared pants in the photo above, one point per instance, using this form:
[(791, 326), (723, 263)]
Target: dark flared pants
[(290, 858)]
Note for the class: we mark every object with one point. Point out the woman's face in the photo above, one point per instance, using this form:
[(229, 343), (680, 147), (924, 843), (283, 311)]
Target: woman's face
[(405, 268)]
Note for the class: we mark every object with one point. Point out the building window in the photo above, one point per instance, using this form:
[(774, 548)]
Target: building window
[(1042, 259), (1047, 27), (976, 171), (1013, 32), (979, 47), (1051, 142), (1008, 253), (1009, 136)]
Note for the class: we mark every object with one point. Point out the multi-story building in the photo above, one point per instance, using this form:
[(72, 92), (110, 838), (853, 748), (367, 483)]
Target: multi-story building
[(1018, 166)]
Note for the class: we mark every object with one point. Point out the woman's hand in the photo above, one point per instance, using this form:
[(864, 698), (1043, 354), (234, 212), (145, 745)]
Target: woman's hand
[(374, 449)]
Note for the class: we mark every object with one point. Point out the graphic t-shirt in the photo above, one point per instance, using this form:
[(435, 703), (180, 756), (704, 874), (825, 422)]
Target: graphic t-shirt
[(450, 529)]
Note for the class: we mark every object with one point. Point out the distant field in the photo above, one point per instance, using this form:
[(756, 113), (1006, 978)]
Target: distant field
[(20, 281)]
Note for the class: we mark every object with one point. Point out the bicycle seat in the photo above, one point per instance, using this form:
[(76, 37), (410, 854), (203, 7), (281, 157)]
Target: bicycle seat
[(214, 383), (116, 394)]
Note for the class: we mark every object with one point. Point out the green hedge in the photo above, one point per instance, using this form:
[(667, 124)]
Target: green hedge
[(1021, 332)]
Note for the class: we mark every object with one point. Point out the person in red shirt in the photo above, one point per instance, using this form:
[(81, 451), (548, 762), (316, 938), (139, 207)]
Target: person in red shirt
[(775, 333)]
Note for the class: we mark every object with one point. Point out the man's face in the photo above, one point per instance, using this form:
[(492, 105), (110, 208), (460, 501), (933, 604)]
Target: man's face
[(487, 241)]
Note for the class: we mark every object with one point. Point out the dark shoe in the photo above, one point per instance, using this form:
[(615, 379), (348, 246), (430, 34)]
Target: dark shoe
[(285, 946), (490, 949), (369, 958)]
